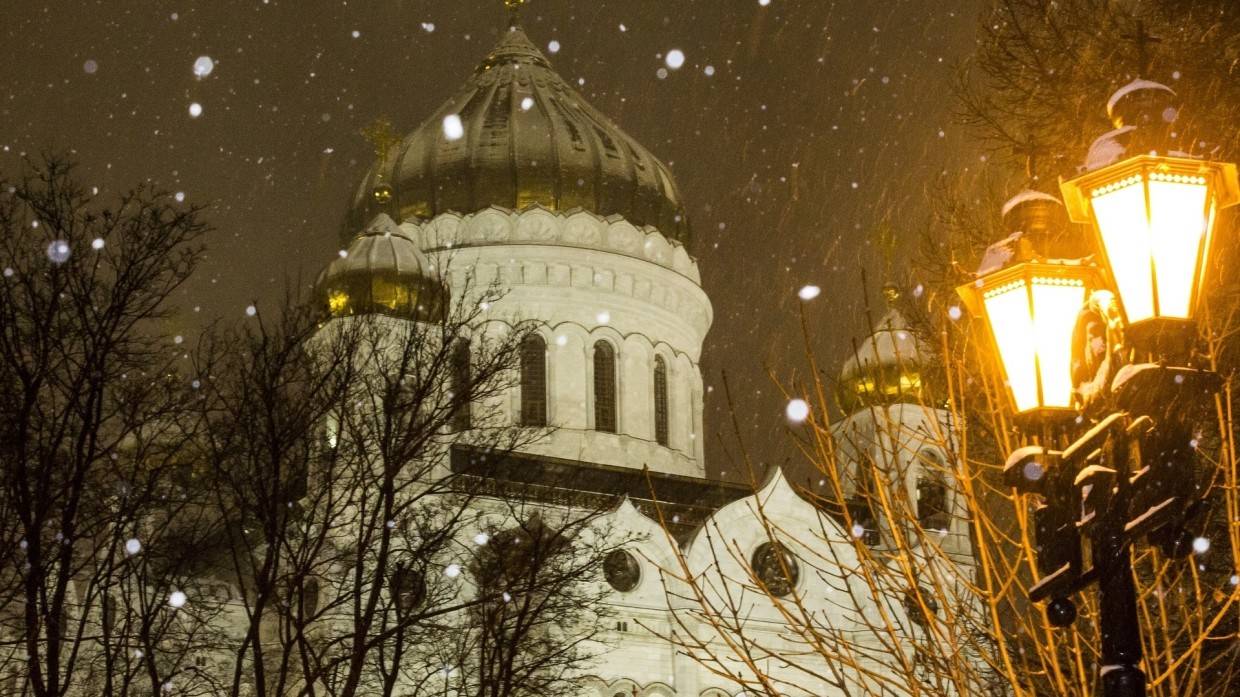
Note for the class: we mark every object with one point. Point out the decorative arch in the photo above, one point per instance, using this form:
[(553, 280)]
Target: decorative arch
[(604, 386)]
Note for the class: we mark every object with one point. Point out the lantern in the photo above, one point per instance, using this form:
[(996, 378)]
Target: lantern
[(1030, 309), (1154, 219)]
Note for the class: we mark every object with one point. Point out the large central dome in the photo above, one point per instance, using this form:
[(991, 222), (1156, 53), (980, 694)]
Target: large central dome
[(526, 139)]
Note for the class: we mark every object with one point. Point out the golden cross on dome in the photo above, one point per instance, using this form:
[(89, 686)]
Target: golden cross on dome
[(381, 135), (514, 10)]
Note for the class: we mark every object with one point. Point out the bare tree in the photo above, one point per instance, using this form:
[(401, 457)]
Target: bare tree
[(89, 400), (294, 506)]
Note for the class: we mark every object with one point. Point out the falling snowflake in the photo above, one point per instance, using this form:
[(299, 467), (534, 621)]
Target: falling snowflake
[(203, 66), (96, 244), (797, 410), (452, 570), (177, 599), (603, 317), (58, 251), (553, 46), (675, 59), (195, 110), (453, 129), (179, 196), (481, 539), (91, 67), (132, 546), (250, 310), (808, 292)]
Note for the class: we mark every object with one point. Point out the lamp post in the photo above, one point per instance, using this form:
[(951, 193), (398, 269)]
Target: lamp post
[(1128, 369)]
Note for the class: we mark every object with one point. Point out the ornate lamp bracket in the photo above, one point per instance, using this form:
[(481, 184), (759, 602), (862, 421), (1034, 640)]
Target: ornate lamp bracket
[(1098, 351)]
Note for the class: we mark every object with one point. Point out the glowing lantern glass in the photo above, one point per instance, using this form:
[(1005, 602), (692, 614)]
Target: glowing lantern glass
[(1031, 310), (1154, 218)]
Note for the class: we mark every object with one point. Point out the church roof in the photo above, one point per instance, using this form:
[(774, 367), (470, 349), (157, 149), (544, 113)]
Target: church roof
[(516, 135), (382, 271)]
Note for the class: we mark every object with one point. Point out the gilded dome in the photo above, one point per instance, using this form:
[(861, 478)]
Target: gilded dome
[(885, 368), (383, 271), (516, 135)]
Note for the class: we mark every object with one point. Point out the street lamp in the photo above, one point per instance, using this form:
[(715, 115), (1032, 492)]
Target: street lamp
[(1131, 475), (1030, 306), (1154, 218)]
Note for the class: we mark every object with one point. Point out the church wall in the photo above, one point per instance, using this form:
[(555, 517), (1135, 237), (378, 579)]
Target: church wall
[(585, 279)]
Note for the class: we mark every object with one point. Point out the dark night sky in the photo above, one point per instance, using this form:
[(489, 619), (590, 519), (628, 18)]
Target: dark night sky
[(823, 122)]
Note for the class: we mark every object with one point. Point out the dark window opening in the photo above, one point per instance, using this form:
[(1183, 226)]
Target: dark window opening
[(932, 513), (604, 387), (533, 381), (660, 400), (461, 392)]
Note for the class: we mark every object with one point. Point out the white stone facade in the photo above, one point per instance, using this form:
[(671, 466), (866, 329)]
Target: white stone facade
[(582, 279)]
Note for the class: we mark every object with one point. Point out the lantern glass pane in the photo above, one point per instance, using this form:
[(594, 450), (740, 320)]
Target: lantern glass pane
[(1011, 322), (1056, 303), (1177, 229), (1119, 210)]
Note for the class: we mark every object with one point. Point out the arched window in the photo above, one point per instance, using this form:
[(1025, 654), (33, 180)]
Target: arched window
[(604, 387), (660, 400), (533, 381), (310, 598), (460, 385), (408, 587), (932, 513)]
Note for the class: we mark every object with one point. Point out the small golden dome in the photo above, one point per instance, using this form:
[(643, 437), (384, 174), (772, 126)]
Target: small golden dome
[(382, 272), (886, 368)]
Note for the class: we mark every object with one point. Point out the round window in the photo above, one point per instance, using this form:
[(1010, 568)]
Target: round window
[(622, 570), (776, 568)]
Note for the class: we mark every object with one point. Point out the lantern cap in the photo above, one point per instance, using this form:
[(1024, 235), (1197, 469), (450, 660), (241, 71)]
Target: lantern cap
[(1077, 191), (1010, 259)]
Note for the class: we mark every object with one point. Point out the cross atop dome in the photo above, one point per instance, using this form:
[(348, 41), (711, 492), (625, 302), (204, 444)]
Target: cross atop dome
[(514, 11)]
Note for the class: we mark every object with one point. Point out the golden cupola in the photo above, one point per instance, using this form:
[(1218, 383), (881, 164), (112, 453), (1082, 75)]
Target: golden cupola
[(382, 272), (517, 136), (885, 368)]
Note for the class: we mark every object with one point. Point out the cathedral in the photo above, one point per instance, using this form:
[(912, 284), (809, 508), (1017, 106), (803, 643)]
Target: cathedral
[(517, 181)]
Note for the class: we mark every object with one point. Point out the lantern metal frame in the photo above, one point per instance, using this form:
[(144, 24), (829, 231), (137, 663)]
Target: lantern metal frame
[(1026, 272), (1159, 333)]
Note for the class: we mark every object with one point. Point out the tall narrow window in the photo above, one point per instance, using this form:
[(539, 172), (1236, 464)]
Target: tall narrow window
[(460, 386), (604, 387), (534, 381), (660, 400), (932, 511)]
